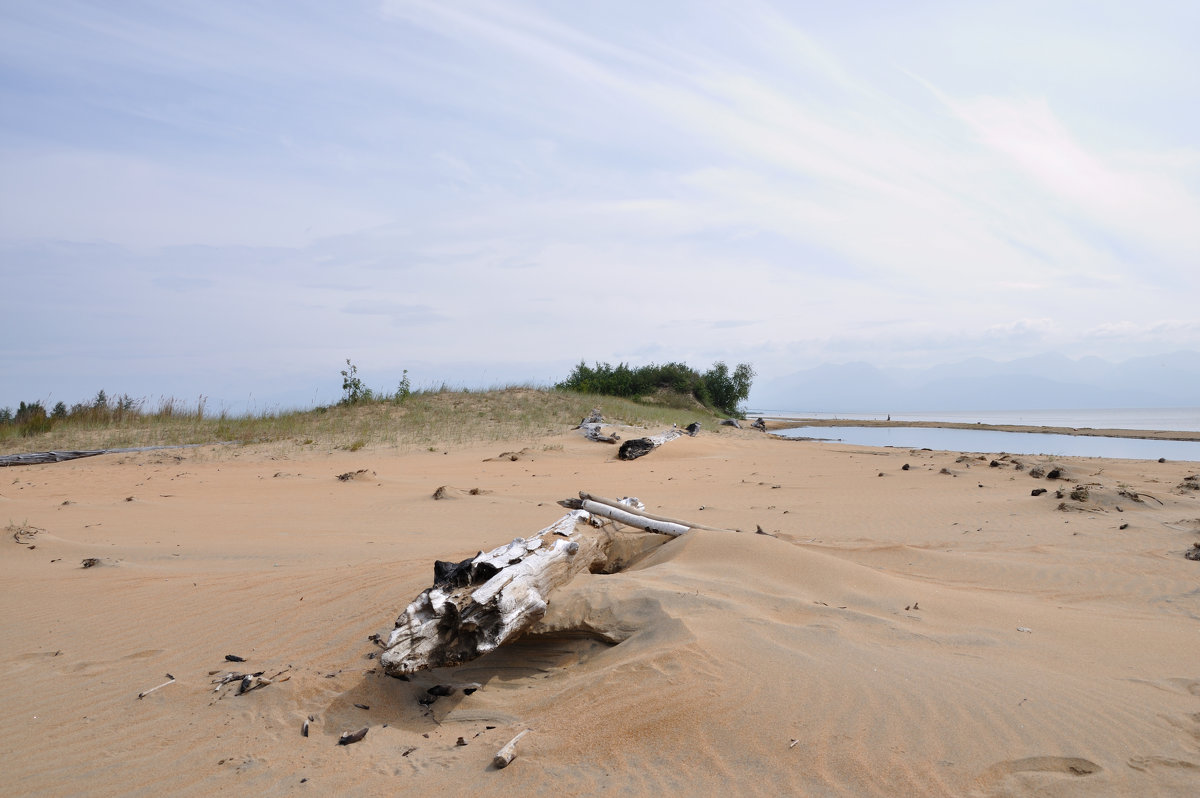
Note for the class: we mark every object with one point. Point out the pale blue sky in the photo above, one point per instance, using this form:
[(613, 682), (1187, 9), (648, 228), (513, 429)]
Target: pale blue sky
[(230, 198)]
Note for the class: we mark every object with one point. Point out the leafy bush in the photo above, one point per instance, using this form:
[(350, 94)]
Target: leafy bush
[(404, 389), (354, 389), (716, 388)]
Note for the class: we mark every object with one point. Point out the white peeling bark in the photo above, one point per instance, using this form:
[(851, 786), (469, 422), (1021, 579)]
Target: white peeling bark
[(479, 603), (457, 621)]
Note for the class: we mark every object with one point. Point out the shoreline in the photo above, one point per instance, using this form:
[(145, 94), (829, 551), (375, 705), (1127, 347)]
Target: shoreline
[(777, 423), (934, 619)]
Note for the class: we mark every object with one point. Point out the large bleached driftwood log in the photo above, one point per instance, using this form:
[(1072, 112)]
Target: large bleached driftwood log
[(479, 603), (636, 447), (591, 428)]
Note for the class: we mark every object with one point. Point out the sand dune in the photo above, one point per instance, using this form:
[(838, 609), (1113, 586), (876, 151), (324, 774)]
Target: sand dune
[(897, 632)]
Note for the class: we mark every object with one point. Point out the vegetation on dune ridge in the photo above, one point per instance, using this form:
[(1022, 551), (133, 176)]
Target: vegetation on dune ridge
[(425, 419), (717, 388), (406, 418)]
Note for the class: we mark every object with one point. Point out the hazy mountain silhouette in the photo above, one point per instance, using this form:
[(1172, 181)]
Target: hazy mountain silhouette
[(1044, 382)]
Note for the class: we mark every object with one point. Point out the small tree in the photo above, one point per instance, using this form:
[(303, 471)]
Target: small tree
[(726, 391), (60, 411), (31, 419), (404, 389), (354, 389)]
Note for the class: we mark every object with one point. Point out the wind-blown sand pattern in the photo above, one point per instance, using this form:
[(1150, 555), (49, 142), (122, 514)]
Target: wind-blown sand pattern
[(934, 630)]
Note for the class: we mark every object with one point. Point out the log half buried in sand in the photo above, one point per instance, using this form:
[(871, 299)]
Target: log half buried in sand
[(478, 604), (637, 447), (505, 755)]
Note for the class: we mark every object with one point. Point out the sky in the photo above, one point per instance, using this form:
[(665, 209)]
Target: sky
[(229, 199)]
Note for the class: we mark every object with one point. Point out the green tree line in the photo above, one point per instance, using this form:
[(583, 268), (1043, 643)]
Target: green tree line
[(717, 388)]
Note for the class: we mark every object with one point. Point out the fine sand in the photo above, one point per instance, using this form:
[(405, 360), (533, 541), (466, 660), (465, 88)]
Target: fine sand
[(934, 630)]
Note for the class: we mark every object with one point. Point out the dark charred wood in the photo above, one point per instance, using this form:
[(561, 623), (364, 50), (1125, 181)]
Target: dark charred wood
[(633, 449), (348, 738)]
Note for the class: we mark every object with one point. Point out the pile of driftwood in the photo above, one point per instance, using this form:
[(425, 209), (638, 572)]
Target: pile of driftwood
[(591, 427), (475, 605)]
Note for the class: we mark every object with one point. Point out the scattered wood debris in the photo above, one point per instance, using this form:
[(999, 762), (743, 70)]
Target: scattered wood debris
[(508, 751), (170, 680), (361, 473), (24, 534), (252, 681)]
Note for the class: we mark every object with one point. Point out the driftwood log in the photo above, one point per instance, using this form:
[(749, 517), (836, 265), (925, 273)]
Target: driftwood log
[(634, 515), (41, 458), (508, 753), (637, 447), (591, 425), (593, 432), (479, 603)]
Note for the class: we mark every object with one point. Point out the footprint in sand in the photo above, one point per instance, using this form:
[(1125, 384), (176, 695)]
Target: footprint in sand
[(1073, 767)]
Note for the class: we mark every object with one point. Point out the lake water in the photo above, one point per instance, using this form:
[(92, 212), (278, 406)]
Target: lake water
[(1165, 418), (993, 441)]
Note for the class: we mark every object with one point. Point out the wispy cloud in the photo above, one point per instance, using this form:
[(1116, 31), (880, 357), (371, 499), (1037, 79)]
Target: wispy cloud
[(631, 181)]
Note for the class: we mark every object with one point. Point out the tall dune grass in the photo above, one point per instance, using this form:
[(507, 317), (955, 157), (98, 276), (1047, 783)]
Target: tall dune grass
[(424, 419)]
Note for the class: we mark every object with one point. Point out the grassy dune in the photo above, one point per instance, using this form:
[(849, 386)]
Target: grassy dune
[(423, 420)]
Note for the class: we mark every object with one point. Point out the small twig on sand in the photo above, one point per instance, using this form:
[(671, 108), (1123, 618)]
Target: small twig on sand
[(170, 680), (506, 754)]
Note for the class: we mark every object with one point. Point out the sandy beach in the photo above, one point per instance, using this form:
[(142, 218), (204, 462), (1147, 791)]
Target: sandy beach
[(911, 623)]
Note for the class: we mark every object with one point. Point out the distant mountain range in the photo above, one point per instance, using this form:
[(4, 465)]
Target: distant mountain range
[(1044, 382)]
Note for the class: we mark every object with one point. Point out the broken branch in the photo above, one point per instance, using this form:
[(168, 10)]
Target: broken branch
[(170, 680), (505, 755)]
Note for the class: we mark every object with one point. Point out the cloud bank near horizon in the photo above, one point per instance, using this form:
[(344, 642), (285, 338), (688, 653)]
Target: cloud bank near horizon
[(231, 199)]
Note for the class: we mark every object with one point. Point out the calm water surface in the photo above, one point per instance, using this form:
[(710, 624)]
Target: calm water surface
[(970, 440), (1166, 418)]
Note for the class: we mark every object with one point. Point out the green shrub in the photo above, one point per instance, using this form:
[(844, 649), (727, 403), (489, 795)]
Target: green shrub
[(354, 390), (716, 388), (31, 420)]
